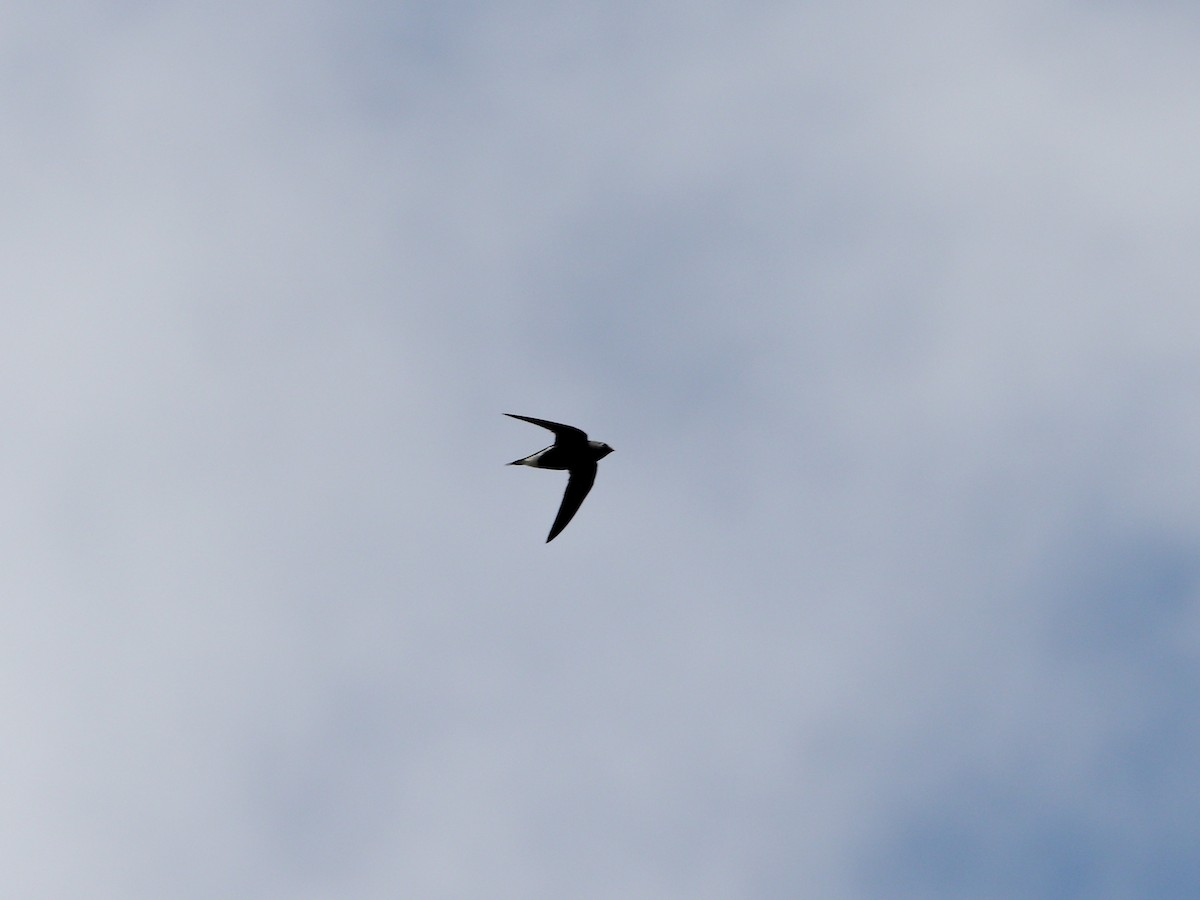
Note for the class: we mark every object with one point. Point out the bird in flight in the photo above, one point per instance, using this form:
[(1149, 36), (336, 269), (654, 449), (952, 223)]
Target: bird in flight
[(572, 451)]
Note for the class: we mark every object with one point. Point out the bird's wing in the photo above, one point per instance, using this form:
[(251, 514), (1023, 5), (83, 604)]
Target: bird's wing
[(564, 434), (578, 485)]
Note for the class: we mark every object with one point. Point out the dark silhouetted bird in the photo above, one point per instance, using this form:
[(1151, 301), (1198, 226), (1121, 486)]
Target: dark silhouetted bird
[(572, 451)]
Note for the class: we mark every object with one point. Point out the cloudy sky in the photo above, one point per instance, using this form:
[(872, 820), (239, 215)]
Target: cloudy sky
[(892, 314)]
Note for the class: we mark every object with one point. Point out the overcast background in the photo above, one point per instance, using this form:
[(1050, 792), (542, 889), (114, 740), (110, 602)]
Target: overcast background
[(889, 590)]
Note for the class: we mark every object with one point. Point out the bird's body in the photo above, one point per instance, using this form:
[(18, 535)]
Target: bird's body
[(573, 452)]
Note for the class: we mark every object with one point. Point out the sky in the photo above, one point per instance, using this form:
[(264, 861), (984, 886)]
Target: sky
[(889, 589)]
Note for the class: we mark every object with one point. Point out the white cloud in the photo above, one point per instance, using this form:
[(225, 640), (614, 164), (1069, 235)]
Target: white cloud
[(887, 590)]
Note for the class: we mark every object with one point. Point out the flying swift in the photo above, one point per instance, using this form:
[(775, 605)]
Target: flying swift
[(573, 452)]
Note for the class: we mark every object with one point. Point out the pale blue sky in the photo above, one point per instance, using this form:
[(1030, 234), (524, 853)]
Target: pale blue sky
[(889, 589)]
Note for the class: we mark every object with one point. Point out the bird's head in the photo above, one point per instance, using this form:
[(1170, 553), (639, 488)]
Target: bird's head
[(601, 449)]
